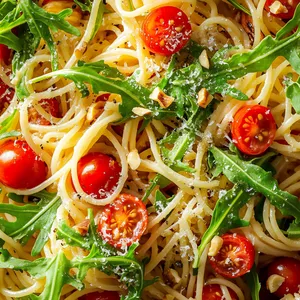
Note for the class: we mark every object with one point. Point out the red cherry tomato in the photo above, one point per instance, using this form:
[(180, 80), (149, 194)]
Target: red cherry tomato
[(124, 221), (49, 105), (289, 269), (6, 95), (103, 97), (287, 10), (235, 258), (5, 54), (253, 129), (106, 295), (214, 292), (166, 30), (20, 167), (98, 174)]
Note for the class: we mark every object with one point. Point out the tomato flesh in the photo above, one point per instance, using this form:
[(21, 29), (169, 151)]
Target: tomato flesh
[(103, 97), (214, 292), (106, 295), (166, 30), (98, 174), (124, 221), (288, 8), (289, 269), (49, 105), (20, 166), (5, 54), (253, 129), (235, 258), (6, 95)]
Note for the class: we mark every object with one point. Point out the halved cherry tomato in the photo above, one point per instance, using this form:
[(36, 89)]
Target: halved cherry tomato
[(253, 129), (235, 258), (106, 295), (5, 54), (166, 30), (6, 95), (98, 174), (287, 9), (103, 97), (49, 105), (124, 221), (289, 269), (214, 292), (20, 166)]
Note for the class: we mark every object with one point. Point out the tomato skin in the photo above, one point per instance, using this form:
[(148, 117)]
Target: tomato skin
[(166, 30), (106, 295), (5, 54), (6, 95), (235, 258), (214, 292), (124, 221), (20, 166), (103, 97), (289, 4), (253, 129), (289, 269), (49, 105), (98, 174)]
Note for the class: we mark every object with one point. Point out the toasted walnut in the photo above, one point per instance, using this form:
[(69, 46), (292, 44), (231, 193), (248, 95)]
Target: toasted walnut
[(83, 227), (288, 297), (95, 111), (163, 99), (274, 282), (203, 58), (134, 159), (140, 111), (215, 245), (278, 8), (204, 98)]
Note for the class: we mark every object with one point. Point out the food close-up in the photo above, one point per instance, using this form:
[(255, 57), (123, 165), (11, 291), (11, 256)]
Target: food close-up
[(149, 149)]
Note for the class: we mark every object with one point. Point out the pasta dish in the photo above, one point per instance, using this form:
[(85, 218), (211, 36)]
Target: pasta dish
[(149, 149)]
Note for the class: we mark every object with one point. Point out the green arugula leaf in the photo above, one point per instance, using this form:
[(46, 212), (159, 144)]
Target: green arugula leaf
[(253, 283), (225, 216), (161, 201), (6, 6), (5, 125), (56, 270), (31, 218), (251, 176), (239, 6), (293, 230), (40, 22), (293, 93), (85, 5)]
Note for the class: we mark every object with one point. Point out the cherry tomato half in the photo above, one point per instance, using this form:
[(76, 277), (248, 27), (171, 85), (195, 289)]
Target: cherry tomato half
[(289, 269), (124, 221), (106, 295), (98, 174), (235, 258), (49, 105), (6, 95), (253, 129), (5, 54), (287, 9), (20, 166), (166, 30), (103, 97), (214, 292)]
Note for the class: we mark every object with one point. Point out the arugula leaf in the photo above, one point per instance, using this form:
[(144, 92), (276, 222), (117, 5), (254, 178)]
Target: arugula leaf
[(6, 6), (251, 176), (225, 216), (253, 283), (5, 125), (293, 230), (161, 201), (85, 5), (31, 218), (293, 93), (239, 6), (101, 256)]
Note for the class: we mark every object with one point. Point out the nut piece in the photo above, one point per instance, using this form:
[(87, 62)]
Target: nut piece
[(288, 297), (140, 111), (83, 227), (163, 99), (274, 282), (203, 58), (172, 276), (94, 111), (134, 159), (204, 98), (215, 246), (278, 8)]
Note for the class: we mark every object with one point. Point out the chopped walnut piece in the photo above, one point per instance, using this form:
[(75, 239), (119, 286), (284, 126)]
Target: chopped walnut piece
[(274, 282), (278, 8), (140, 111), (203, 58), (215, 246), (204, 98), (162, 98), (83, 227)]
